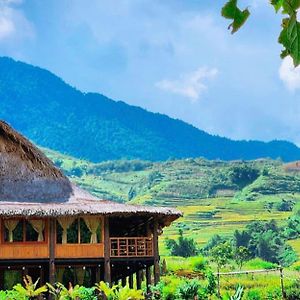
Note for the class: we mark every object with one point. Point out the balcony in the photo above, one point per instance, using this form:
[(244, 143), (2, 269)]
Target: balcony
[(131, 247)]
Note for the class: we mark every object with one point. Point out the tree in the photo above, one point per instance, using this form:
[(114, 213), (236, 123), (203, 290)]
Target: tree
[(289, 36), (241, 255), (243, 175), (184, 247), (215, 240), (241, 239), (285, 205), (221, 254)]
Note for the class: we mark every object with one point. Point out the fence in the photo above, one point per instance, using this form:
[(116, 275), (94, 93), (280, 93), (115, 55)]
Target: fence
[(279, 269)]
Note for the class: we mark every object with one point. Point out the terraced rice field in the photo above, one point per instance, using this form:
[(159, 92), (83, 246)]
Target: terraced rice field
[(223, 216)]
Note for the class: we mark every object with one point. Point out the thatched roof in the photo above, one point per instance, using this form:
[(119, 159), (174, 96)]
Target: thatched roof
[(26, 174), (30, 185)]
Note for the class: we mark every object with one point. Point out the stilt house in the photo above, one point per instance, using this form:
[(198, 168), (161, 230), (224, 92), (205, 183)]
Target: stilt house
[(55, 231)]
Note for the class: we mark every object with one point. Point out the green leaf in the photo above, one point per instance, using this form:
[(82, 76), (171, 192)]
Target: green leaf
[(239, 17), (277, 4), (290, 39), (290, 6)]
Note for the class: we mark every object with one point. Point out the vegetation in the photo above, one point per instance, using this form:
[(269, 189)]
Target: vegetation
[(184, 247), (183, 182), (289, 37), (101, 290), (216, 197)]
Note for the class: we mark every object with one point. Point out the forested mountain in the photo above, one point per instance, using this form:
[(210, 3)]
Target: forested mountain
[(85, 125)]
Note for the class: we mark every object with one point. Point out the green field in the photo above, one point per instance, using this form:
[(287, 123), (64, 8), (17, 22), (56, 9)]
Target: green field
[(215, 196)]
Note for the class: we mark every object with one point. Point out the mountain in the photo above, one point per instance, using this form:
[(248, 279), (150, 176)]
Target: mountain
[(91, 126)]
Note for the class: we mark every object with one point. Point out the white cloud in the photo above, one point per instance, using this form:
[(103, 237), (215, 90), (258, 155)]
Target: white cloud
[(289, 74), (13, 22), (190, 85), (7, 27)]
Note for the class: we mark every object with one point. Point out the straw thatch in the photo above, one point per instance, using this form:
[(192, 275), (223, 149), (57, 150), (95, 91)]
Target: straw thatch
[(26, 174), (30, 185)]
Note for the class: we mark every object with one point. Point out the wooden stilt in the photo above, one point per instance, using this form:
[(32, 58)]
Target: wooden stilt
[(107, 265), (156, 252), (98, 274), (123, 281), (139, 279), (52, 242), (148, 278), (42, 279), (131, 281)]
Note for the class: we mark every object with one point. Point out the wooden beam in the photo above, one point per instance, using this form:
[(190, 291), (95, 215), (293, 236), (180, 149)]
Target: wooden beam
[(156, 252), (148, 278), (52, 242), (131, 281), (139, 279), (98, 274), (107, 265), (124, 281)]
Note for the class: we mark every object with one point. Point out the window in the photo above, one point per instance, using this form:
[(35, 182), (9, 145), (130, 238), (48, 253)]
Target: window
[(31, 234), (21, 230), (83, 230)]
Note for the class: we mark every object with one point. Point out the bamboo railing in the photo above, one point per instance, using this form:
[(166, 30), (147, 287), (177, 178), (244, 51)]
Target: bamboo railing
[(131, 247)]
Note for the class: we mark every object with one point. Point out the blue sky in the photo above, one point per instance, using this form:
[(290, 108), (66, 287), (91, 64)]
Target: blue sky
[(170, 56)]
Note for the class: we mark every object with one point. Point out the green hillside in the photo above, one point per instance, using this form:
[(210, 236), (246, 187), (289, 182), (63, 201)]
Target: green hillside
[(57, 116), (179, 182), (216, 197)]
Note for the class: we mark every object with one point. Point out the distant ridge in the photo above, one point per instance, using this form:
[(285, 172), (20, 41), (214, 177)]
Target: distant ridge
[(55, 115)]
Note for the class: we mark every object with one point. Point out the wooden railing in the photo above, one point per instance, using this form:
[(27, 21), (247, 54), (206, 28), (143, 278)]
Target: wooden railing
[(131, 247)]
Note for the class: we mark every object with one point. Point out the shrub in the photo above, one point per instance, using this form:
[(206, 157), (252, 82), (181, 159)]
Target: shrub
[(274, 294), (199, 264), (293, 291), (296, 266), (188, 289), (258, 263), (30, 289), (184, 247), (285, 205), (253, 295), (118, 292)]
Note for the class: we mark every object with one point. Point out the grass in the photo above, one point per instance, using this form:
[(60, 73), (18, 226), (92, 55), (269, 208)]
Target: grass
[(265, 284)]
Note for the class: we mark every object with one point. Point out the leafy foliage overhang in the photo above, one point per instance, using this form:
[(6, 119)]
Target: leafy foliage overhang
[(289, 36)]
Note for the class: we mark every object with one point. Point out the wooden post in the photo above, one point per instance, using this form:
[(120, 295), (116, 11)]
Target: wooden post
[(148, 278), (107, 266), (156, 252), (131, 281), (281, 283), (42, 279), (98, 274), (123, 281), (52, 242), (139, 279)]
